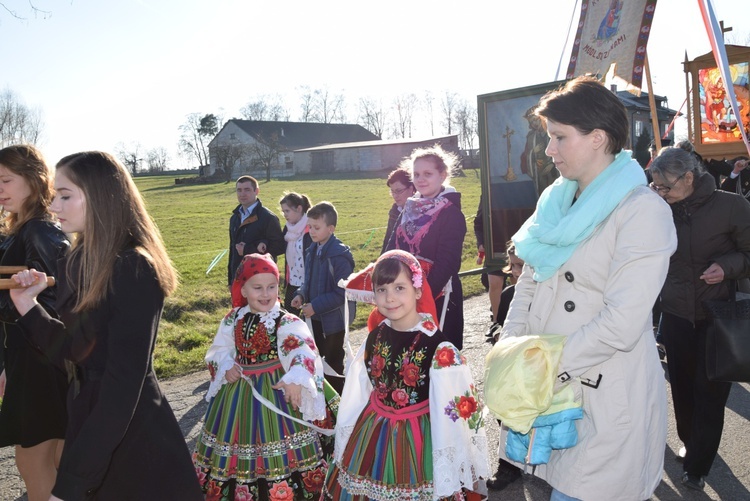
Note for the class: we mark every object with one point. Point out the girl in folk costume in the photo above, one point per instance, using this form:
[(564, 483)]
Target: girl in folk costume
[(432, 227), (410, 422), (258, 442), (294, 207)]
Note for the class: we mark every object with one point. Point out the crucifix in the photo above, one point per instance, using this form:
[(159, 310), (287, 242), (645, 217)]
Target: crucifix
[(510, 175)]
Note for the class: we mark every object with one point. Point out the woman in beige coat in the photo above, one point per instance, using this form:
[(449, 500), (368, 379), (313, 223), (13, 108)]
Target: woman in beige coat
[(597, 251)]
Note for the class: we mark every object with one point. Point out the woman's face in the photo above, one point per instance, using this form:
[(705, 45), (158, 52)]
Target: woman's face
[(14, 190), (673, 189), (69, 204), (427, 178), (572, 152), (291, 214), (400, 193)]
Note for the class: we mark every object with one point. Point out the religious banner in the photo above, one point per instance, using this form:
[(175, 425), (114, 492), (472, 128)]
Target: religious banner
[(612, 32), (724, 90), (515, 168)]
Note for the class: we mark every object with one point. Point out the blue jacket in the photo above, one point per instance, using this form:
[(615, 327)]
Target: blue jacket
[(552, 431), (321, 289)]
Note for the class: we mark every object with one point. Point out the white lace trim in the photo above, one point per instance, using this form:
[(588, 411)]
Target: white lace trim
[(313, 401), (219, 379), (268, 318), (454, 468), (360, 486), (343, 433)]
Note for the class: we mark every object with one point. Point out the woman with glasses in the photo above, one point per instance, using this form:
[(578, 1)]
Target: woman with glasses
[(713, 248), (596, 251), (401, 188)]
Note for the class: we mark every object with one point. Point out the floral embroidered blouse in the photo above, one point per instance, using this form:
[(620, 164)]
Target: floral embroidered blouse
[(405, 368), (246, 338)]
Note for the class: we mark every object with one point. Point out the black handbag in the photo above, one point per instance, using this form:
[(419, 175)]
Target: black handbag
[(728, 337)]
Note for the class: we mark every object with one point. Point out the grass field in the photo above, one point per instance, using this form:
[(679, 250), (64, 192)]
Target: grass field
[(194, 222)]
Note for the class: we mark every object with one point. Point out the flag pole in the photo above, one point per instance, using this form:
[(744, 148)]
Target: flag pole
[(652, 105)]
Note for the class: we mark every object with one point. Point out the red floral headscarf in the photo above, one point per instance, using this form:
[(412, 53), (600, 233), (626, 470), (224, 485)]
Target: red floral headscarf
[(251, 265)]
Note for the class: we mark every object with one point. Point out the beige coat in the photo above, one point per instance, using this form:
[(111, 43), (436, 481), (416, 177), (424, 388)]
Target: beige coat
[(601, 298)]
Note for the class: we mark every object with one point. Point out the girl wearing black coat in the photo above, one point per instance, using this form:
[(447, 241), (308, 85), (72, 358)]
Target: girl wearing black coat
[(123, 441), (32, 416)]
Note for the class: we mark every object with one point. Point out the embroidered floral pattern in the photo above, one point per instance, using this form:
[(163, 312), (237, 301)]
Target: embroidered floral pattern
[(281, 491), (253, 341), (467, 407), (313, 479), (398, 390), (447, 356), (290, 344)]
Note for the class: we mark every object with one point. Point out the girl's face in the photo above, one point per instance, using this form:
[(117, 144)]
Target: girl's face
[(69, 204), (14, 190), (291, 214), (400, 193), (261, 292), (427, 178), (397, 302), (516, 267)]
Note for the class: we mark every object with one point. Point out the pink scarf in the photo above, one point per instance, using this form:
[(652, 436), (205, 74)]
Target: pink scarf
[(293, 236)]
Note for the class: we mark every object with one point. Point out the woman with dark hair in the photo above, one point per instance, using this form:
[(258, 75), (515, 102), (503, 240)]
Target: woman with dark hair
[(713, 249), (432, 227), (32, 416), (594, 230), (122, 441), (401, 188)]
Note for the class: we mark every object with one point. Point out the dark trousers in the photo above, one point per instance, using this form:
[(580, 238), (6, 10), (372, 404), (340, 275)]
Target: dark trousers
[(698, 402), (331, 348), (289, 293)]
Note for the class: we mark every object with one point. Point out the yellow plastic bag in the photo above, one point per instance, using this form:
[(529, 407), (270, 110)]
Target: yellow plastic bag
[(519, 377)]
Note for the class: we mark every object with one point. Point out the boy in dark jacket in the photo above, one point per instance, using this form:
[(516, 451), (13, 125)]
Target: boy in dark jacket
[(320, 298)]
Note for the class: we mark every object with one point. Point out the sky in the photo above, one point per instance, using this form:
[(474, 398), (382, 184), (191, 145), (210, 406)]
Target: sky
[(126, 71)]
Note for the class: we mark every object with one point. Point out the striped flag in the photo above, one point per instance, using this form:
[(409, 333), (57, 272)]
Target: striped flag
[(612, 32)]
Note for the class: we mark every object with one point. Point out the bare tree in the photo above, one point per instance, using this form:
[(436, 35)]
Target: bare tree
[(266, 151), (448, 105), (404, 105), (228, 156), (265, 107), (307, 104), (157, 159), (430, 111), (130, 155), (32, 9), (321, 105), (465, 118), (18, 122), (196, 133), (372, 116)]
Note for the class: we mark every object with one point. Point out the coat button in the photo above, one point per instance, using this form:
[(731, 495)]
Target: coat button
[(569, 306), (568, 276)]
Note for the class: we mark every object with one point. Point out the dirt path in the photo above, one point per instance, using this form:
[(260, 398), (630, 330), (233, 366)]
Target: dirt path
[(729, 479)]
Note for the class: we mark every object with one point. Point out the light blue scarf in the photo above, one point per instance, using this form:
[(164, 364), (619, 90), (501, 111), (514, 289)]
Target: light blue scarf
[(550, 236)]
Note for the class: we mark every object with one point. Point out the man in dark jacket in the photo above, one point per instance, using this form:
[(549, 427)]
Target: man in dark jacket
[(252, 227)]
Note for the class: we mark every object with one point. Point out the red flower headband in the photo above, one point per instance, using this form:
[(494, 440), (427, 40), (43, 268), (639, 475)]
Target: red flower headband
[(408, 260), (251, 265)]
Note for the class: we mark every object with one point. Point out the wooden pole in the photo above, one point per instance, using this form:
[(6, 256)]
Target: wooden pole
[(652, 105)]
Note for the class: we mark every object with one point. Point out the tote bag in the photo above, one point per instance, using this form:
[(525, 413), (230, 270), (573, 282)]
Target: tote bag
[(728, 337)]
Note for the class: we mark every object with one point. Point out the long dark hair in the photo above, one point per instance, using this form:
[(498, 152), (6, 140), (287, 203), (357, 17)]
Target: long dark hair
[(115, 219), (26, 161)]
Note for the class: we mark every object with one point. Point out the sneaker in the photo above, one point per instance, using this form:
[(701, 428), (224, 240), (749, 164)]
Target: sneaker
[(505, 475), (694, 482), (680, 457)]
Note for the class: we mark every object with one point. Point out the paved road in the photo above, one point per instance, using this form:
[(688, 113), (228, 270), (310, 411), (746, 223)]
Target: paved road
[(729, 479)]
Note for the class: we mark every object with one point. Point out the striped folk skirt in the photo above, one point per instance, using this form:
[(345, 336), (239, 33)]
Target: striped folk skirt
[(388, 457), (247, 451)]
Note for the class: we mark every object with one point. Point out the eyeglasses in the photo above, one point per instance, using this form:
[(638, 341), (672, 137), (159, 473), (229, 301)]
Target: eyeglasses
[(663, 190), (396, 193)]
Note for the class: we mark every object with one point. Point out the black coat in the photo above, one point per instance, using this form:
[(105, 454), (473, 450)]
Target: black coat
[(261, 226), (123, 441), (713, 226)]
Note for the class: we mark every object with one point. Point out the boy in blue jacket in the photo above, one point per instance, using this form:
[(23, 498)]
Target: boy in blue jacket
[(320, 298)]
